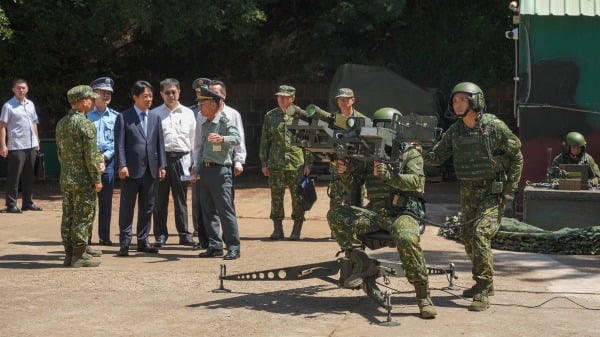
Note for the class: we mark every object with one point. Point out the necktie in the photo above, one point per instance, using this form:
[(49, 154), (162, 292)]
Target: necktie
[(144, 123)]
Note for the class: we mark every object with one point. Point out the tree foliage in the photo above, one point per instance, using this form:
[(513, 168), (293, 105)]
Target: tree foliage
[(56, 44)]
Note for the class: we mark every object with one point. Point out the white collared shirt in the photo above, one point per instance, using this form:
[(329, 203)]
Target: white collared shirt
[(20, 122), (179, 126)]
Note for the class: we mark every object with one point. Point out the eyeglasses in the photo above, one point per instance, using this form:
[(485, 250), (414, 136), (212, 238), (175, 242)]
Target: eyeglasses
[(170, 92)]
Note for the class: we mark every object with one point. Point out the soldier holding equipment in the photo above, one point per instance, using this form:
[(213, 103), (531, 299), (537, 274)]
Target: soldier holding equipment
[(488, 162)]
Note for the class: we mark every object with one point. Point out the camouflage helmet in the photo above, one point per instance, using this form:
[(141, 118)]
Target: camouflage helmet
[(384, 116), (476, 98), (574, 139)]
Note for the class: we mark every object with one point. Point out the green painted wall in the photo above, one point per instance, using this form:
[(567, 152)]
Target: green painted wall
[(572, 38)]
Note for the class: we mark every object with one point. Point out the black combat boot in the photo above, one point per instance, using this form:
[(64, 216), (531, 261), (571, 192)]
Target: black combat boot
[(296, 230), (278, 230), (68, 256)]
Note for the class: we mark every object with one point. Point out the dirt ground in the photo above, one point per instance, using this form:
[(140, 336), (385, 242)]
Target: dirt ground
[(171, 294)]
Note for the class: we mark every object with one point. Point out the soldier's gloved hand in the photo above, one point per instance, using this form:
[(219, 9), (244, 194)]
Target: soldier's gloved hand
[(381, 170)]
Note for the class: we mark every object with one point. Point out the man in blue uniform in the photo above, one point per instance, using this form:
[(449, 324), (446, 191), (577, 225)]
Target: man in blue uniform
[(104, 119)]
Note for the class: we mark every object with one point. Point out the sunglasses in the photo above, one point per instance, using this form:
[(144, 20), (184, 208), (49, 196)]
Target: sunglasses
[(170, 92)]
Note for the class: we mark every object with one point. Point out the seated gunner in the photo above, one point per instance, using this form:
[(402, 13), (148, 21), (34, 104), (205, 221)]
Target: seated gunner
[(395, 205), (574, 152)]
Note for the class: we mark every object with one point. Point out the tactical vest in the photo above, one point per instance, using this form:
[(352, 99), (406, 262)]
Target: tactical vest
[(472, 149), (385, 197)]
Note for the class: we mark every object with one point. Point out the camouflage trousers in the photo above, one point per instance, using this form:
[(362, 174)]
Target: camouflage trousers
[(481, 212), (338, 196), (347, 222), (278, 180), (79, 209)]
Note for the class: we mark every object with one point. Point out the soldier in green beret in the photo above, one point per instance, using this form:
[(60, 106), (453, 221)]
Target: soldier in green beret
[(488, 162), (81, 167), (283, 163)]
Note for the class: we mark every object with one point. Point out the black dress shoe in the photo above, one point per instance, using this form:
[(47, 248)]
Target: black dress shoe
[(161, 241), (123, 251), (232, 255), (211, 252), (146, 248), (32, 207), (13, 209), (105, 242)]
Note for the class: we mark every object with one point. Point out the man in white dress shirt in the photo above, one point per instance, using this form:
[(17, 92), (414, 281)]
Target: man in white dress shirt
[(179, 125)]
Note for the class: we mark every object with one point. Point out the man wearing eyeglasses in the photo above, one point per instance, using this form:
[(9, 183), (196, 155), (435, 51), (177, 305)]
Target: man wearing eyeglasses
[(179, 125)]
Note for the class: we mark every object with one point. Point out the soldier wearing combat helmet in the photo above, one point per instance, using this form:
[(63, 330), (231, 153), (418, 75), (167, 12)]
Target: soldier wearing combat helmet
[(574, 152), (488, 162), (396, 205)]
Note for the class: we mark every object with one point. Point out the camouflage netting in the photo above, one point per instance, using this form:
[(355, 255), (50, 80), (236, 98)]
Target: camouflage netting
[(521, 237)]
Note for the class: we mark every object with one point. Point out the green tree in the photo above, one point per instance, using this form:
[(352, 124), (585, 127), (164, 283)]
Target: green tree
[(55, 44)]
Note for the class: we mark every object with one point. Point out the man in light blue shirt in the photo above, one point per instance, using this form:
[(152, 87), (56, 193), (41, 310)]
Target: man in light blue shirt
[(104, 119)]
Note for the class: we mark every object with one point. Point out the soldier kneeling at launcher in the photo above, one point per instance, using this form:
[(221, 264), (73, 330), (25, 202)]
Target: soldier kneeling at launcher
[(396, 205)]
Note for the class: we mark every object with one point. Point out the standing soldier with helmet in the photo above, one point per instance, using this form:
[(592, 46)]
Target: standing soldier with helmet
[(81, 166), (574, 152), (395, 204), (488, 162)]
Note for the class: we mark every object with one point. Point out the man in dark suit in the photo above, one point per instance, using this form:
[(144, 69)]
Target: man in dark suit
[(141, 159)]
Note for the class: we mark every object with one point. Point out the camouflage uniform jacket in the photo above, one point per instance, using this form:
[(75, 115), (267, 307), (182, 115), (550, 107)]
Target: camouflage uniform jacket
[(398, 190), (78, 153), (481, 153), (276, 150), (341, 122), (584, 159)]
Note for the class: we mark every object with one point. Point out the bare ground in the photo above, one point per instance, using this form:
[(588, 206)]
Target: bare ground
[(171, 294)]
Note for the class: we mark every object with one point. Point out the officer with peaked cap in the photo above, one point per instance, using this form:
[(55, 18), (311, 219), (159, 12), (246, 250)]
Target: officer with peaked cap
[(104, 119), (213, 166), (196, 211)]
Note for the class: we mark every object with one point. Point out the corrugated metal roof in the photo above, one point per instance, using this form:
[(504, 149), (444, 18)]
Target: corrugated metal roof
[(560, 7)]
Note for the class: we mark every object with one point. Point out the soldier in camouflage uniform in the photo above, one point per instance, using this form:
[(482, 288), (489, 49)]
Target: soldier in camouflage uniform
[(395, 205), (574, 152), (345, 101), (488, 162), (81, 166), (283, 163)]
